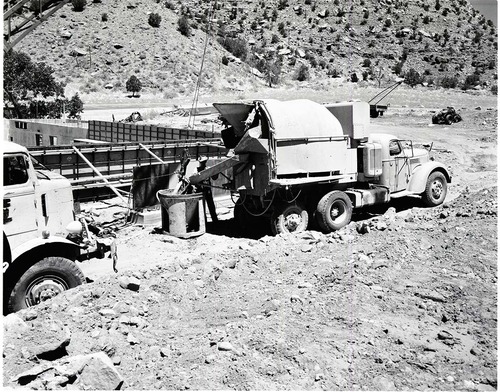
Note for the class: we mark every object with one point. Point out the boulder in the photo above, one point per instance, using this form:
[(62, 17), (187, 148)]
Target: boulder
[(47, 339), (79, 52), (92, 371), (129, 282), (65, 34), (13, 322)]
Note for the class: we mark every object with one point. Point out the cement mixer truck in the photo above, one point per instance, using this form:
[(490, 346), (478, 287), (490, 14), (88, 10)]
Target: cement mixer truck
[(295, 161)]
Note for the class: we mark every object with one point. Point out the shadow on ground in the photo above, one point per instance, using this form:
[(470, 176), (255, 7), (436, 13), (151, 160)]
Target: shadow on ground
[(262, 227)]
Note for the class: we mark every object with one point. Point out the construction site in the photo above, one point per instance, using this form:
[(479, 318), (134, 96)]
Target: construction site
[(291, 239)]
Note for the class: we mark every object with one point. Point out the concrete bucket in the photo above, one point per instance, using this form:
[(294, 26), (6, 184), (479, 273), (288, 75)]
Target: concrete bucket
[(182, 216)]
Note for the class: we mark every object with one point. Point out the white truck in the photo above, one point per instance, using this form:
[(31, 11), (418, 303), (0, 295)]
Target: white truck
[(296, 160), (41, 239)]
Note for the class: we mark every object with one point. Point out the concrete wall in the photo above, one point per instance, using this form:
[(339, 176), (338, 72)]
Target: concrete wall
[(41, 133)]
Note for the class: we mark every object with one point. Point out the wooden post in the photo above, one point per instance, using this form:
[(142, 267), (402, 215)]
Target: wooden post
[(115, 191)]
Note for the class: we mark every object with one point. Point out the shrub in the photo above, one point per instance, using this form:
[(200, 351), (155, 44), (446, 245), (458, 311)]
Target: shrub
[(225, 60), (334, 73), (104, 17), (154, 20), (75, 106), (412, 78), (388, 22), (275, 39), (470, 81), (365, 75), (494, 89), (398, 68), (303, 73), (281, 29), (282, 4), (367, 62), (183, 26), (236, 46), (133, 84), (449, 82), (79, 5), (169, 5), (354, 77)]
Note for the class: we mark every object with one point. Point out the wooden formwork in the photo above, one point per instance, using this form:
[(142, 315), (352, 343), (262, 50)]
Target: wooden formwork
[(115, 161), (128, 132)]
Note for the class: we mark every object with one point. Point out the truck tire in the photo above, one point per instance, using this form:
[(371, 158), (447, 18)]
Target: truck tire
[(435, 190), (334, 211), (289, 218), (44, 280)]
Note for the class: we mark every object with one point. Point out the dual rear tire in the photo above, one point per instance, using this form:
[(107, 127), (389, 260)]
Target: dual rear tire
[(333, 212)]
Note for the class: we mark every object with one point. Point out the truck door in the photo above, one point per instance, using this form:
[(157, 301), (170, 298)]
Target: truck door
[(396, 169), (401, 168), (19, 206)]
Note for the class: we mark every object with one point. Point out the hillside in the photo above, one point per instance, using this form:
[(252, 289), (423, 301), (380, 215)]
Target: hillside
[(332, 38)]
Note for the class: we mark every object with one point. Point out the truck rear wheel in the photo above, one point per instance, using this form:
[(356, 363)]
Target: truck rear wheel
[(44, 280), (334, 211), (289, 218), (435, 190)]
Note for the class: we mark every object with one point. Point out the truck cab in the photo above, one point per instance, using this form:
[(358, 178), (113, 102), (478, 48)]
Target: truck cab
[(38, 262), (405, 169)]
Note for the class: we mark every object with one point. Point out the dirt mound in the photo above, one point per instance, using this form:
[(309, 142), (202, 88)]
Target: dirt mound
[(409, 304)]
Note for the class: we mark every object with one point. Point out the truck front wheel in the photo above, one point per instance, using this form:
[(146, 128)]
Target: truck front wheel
[(289, 218), (435, 189), (45, 279), (334, 211)]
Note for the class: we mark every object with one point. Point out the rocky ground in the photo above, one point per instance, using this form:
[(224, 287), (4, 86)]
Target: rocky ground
[(404, 298)]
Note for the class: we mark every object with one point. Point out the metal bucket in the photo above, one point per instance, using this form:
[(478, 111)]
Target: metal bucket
[(182, 216)]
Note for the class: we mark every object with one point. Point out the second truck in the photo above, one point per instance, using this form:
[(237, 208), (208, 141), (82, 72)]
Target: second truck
[(297, 161)]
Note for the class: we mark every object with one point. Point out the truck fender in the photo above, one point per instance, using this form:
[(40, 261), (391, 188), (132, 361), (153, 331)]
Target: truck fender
[(38, 248), (418, 179)]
